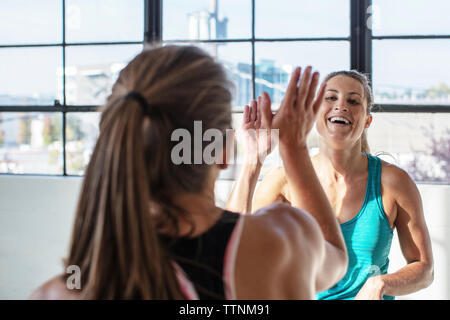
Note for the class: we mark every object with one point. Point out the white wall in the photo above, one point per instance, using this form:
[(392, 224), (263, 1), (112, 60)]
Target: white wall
[(36, 216), (35, 226)]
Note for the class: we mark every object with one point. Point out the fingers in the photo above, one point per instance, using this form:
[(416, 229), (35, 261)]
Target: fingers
[(312, 90), (250, 115), (319, 98), (258, 113), (291, 91), (303, 89), (246, 117), (265, 109), (253, 111)]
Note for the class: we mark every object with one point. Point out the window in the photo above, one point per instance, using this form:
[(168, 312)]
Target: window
[(58, 62), (410, 72), (410, 54), (53, 78), (417, 142)]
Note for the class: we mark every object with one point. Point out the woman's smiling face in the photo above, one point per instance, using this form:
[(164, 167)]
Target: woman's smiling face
[(343, 114)]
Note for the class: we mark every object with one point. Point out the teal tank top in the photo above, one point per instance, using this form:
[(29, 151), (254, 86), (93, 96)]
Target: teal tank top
[(368, 237)]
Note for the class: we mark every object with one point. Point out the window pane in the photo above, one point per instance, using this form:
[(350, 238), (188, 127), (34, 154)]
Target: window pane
[(206, 19), (237, 60), (26, 21), (413, 71), (92, 70), (410, 17), (30, 76), (417, 142), (31, 143), (275, 62), (81, 134), (305, 18), (102, 21)]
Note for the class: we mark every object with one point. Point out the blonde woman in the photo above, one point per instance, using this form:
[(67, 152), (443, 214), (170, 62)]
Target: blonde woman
[(370, 197)]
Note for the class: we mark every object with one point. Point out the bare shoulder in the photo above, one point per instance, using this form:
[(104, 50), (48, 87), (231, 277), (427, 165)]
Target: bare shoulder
[(283, 216), (53, 289), (395, 179), (276, 242)]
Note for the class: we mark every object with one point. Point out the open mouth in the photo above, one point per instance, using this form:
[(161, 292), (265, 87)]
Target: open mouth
[(339, 120)]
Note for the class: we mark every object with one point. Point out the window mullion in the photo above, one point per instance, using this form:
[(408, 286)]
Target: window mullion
[(253, 52), (64, 104), (361, 43), (153, 21)]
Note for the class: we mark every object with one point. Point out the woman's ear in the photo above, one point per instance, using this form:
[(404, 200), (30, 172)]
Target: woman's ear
[(368, 121)]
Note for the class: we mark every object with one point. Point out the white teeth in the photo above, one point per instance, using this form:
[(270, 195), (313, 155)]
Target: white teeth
[(339, 119)]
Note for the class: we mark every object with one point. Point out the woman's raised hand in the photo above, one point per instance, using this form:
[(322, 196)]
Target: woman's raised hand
[(258, 140), (258, 143), (296, 115), (294, 119)]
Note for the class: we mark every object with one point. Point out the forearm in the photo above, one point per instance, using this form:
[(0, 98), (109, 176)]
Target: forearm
[(307, 193), (241, 196), (411, 278)]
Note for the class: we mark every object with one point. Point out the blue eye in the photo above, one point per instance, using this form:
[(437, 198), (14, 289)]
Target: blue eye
[(331, 98), (354, 102)]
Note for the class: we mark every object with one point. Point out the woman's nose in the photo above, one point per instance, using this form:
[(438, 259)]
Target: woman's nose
[(340, 106)]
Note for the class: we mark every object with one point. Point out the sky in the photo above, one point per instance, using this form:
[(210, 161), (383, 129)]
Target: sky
[(419, 63)]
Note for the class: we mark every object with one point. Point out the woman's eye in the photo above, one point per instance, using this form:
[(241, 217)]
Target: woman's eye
[(331, 98), (351, 101)]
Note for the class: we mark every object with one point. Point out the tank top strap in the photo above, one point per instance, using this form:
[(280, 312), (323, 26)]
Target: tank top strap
[(375, 183), (374, 175)]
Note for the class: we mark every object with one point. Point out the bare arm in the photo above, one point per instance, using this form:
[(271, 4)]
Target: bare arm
[(240, 199), (270, 189), (307, 193), (297, 115), (414, 241), (258, 143)]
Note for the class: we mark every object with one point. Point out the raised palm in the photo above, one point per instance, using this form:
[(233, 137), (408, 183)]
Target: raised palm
[(259, 139)]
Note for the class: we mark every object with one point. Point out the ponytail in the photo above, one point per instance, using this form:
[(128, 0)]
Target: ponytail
[(125, 258)]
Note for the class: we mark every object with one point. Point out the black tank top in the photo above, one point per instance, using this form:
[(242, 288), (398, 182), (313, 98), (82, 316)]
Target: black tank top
[(202, 257)]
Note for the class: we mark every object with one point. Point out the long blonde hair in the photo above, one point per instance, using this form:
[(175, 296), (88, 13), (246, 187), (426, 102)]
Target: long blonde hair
[(130, 181), (363, 79)]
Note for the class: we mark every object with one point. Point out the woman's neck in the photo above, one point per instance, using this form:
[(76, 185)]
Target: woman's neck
[(341, 164), (201, 210)]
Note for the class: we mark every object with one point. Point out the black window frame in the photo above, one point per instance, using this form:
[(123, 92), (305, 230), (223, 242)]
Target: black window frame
[(360, 40)]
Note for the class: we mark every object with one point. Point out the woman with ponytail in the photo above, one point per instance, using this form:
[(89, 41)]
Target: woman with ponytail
[(369, 196), (147, 226)]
